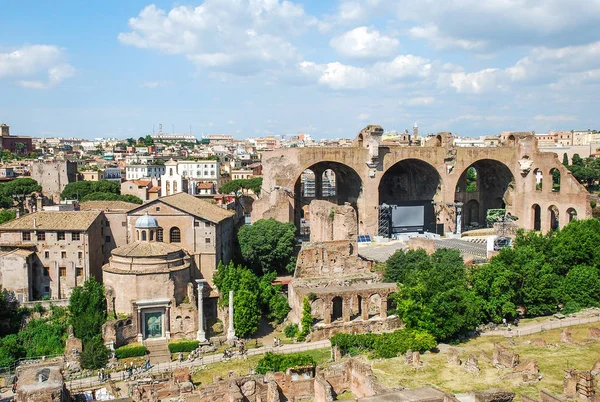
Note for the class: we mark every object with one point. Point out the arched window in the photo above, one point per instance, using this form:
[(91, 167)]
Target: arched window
[(144, 235), (159, 234), (151, 235), (138, 234), (175, 235), (168, 186), (174, 187), (555, 174), (171, 172)]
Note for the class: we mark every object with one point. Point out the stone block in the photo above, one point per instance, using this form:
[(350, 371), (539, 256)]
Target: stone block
[(494, 395), (472, 365), (565, 337), (182, 374), (503, 357), (453, 357), (540, 342), (594, 333)]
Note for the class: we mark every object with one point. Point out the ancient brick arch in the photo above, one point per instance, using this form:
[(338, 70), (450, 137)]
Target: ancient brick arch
[(369, 159)]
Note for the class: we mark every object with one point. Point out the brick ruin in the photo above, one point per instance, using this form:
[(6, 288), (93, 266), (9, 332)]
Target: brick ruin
[(344, 294), (514, 175)]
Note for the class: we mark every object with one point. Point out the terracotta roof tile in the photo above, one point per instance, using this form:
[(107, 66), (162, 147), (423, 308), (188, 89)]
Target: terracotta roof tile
[(107, 206), (67, 220), (197, 207)]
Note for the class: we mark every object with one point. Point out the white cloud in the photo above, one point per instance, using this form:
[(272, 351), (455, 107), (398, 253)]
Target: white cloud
[(432, 34), (340, 76), (486, 80), (239, 37), (363, 116), (36, 66), (364, 42)]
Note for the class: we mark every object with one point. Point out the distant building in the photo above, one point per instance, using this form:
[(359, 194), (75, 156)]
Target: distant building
[(186, 175), (139, 188), (47, 254), (112, 174), (17, 145), (54, 176), (135, 171), (174, 137)]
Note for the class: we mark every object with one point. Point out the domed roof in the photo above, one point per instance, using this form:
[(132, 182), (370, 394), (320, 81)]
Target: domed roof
[(146, 222)]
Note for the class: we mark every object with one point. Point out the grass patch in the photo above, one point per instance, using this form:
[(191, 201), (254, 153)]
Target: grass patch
[(552, 362), (243, 367)]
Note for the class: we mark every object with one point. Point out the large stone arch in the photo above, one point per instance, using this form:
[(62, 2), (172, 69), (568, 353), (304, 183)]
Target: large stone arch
[(494, 188), (348, 186), (410, 186)]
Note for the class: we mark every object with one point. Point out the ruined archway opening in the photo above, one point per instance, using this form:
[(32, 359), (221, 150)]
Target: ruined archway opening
[(392, 304), (317, 308), (537, 217), (409, 187), (330, 181), (356, 307), (337, 306), (538, 176), (572, 214), (374, 305), (492, 187), (555, 174), (553, 216)]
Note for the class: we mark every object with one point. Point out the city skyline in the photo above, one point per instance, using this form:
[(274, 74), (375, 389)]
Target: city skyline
[(255, 68)]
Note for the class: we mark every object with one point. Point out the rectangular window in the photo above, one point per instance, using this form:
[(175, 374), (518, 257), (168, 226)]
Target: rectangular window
[(46, 271), (157, 209), (207, 240), (46, 254), (41, 236), (196, 224), (62, 271), (107, 224), (26, 236), (63, 254), (79, 271), (206, 224), (107, 239), (123, 223), (47, 290), (75, 236), (80, 255), (60, 235)]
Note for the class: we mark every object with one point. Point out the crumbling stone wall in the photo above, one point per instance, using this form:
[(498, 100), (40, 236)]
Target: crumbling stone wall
[(329, 221)]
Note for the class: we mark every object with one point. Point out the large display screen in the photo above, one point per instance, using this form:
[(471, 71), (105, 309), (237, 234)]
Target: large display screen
[(413, 215)]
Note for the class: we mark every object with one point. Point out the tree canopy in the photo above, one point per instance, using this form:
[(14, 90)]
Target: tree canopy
[(112, 197), (17, 190), (79, 189), (268, 246), (87, 306), (234, 186)]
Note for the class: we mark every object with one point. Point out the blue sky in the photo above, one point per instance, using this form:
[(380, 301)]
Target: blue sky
[(250, 68)]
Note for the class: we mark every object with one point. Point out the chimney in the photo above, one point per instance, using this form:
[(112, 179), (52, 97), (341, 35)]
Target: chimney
[(39, 204), (18, 213), (34, 223)]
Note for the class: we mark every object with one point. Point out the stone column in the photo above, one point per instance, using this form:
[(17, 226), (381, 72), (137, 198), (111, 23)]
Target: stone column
[(327, 311), (346, 310), (201, 335), (364, 309), (383, 308), (230, 331), (168, 322), (140, 336)]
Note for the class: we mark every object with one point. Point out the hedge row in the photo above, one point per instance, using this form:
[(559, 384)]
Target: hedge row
[(384, 345), (276, 362), (183, 346), (130, 351)]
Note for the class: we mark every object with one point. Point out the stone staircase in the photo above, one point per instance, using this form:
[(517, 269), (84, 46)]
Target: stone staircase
[(158, 351)]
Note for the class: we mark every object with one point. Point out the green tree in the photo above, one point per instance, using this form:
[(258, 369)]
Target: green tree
[(99, 196), (247, 313), (94, 355), (306, 320), (403, 262), (577, 160), (11, 349), (471, 180), (565, 160), (87, 306), (582, 286), (78, 190), (17, 190), (7, 215), (130, 142), (235, 186), (436, 298), (268, 246)]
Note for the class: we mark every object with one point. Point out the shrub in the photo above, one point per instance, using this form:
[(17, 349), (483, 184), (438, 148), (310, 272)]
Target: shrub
[(183, 346), (571, 307), (275, 362), (385, 345), (130, 351), (94, 355), (291, 331), (306, 321)]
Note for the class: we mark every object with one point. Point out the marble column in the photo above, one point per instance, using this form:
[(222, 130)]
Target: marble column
[(168, 322), (230, 331), (201, 335), (140, 337)]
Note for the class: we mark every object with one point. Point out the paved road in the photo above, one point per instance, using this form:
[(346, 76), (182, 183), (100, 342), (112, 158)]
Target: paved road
[(91, 382), (537, 327)]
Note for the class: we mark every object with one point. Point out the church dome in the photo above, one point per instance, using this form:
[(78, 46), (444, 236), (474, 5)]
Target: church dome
[(146, 222)]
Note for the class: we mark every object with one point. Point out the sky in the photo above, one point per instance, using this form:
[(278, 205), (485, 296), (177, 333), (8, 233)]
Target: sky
[(251, 68)]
